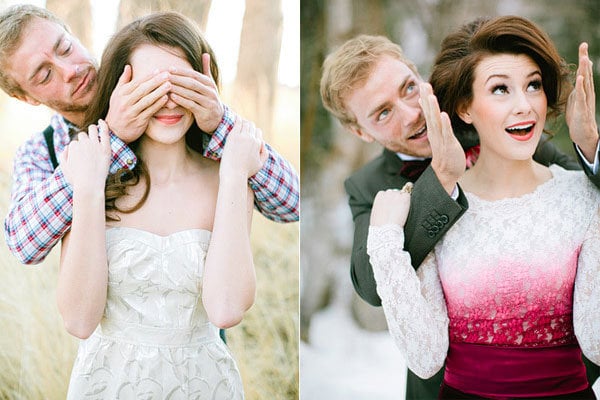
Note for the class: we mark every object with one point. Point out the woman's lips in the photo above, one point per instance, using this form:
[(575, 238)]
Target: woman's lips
[(168, 119), (522, 131)]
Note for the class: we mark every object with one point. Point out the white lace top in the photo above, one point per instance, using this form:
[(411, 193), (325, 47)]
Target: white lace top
[(515, 272)]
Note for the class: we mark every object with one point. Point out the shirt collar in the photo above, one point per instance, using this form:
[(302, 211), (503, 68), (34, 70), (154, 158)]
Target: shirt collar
[(61, 124), (406, 157)]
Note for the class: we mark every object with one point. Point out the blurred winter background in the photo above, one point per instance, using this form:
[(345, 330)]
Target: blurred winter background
[(257, 48), (345, 351)]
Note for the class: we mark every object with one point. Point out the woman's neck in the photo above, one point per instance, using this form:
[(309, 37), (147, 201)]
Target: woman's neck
[(494, 177), (165, 162)]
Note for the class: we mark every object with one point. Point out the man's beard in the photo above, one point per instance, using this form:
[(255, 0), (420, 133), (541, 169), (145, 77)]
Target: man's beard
[(74, 107), (63, 107)]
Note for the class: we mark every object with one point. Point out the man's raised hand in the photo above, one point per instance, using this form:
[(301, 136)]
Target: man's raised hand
[(448, 157), (134, 102), (198, 93), (581, 108)]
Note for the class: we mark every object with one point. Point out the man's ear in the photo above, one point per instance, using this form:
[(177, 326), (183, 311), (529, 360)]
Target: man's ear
[(26, 99), (464, 114), (355, 129)]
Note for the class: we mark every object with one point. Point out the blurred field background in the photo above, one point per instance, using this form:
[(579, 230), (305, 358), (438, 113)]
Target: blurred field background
[(36, 353), (340, 333)]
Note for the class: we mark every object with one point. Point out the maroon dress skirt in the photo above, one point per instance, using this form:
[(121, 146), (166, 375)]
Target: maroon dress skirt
[(475, 371)]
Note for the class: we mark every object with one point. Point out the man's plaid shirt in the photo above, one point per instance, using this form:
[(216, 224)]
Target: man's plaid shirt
[(41, 200)]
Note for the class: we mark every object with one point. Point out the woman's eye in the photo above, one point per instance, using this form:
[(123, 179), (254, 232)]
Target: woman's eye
[(500, 89), (534, 86)]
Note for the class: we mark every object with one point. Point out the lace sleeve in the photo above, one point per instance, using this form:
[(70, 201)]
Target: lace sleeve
[(586, 299), (413, 302)]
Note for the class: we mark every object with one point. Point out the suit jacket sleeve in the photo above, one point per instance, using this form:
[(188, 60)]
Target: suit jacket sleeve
[(432, 213), (594, 178), (547, 154)]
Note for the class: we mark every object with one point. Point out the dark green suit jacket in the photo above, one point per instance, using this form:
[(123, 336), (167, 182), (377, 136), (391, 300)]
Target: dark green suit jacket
[(432, 213)]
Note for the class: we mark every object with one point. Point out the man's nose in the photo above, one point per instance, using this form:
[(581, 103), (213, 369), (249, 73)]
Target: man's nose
[(410, 113), (68, 70)]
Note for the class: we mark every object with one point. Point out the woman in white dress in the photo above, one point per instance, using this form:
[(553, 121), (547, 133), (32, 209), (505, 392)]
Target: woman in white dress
[(510, 296), (157, 263)]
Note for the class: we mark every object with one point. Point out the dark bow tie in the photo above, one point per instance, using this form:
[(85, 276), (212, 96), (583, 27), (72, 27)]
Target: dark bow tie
[(413, 169)]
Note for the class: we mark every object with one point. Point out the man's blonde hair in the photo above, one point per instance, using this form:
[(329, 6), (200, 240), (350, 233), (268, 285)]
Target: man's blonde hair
[(13, 22), (350, 66)]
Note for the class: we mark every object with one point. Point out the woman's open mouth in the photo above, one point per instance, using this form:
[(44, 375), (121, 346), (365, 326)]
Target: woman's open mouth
[(521, 131)]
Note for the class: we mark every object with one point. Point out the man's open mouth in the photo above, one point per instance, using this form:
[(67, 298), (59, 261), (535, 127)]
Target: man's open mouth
[(419, 134)]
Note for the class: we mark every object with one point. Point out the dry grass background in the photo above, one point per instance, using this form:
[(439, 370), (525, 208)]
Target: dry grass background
[(36, 353)]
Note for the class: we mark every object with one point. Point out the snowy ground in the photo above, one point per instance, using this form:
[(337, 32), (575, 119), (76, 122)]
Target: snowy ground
[(345, 362)]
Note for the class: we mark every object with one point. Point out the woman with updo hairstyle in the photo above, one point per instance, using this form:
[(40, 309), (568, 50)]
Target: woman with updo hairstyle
[(510, 298)]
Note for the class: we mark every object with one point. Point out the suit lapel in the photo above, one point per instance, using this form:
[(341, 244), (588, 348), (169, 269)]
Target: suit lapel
[(392, 165)]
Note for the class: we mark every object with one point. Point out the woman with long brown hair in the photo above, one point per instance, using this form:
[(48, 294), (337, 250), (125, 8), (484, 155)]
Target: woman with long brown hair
[(160, 259)]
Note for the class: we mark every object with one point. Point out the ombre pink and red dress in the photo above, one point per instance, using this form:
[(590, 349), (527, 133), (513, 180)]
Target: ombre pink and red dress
[(508, 298)]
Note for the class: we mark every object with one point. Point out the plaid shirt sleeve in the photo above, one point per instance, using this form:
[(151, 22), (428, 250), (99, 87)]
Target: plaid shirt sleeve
[(275, 186), (42, 200)]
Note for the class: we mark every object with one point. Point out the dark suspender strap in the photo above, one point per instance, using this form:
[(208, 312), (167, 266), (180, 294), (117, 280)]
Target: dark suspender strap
[(49, 136)]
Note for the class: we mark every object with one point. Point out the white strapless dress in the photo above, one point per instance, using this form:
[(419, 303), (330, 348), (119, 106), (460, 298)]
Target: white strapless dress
[(155, 340)]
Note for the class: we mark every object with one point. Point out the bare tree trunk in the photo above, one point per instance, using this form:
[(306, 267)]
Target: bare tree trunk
[(78, 16), (315, 134), (260, 45), (196, 10), (369, 16), (329, 154)]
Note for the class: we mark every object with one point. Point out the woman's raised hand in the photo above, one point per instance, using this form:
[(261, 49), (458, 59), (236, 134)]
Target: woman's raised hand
[(86, 160), (244, 150), (391, 206)]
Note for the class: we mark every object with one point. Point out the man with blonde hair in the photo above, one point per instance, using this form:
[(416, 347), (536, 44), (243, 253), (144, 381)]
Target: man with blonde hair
[(352, 65), (370, 86), (41, 62)]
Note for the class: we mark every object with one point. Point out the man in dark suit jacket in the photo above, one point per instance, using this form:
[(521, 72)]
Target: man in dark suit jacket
[(373, 90)]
